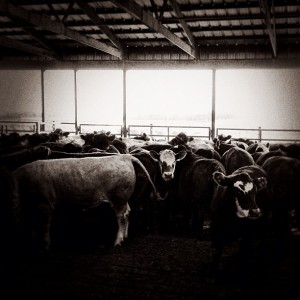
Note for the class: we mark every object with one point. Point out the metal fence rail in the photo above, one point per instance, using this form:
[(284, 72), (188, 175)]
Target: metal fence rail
[(114, 129), (262, 135), (158, 132), (167, 132), (22, 127)]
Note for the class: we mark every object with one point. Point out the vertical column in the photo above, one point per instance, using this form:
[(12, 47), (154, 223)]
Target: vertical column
[(42, 126), (124, 131), (75, 93), (213, 105)]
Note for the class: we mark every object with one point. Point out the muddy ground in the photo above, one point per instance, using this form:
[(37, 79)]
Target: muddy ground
[(146, 266)]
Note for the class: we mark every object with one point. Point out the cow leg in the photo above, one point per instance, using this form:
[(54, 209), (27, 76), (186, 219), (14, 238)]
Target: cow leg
[(216, 254), (198, 222), (41, 226), (123, 223)]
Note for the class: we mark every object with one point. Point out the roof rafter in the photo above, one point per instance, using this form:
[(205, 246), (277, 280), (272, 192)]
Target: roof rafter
[(45, 22), (270, 23), (67, 13), (11, 43), (34, 33), (104, 28), (146, 18), (184, 26)]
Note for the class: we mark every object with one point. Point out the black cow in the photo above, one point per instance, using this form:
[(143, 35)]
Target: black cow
[(100, 140), (208, 153), (146, 214), (17, 159), (191, 193), (265, 155), (223, 143), (240, 209), (284, 174), (258, 147), (235, 158)]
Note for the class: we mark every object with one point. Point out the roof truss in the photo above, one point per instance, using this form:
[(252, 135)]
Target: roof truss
[(146, 18), (15, 44), (270, 22), (45, 22)]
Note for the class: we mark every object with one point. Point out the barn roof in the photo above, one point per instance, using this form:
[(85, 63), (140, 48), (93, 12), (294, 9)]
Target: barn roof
[(154, 30)]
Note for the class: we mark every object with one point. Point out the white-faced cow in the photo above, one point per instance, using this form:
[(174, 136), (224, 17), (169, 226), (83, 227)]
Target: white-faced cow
[(240, 209), (79, 182), (167, 161)]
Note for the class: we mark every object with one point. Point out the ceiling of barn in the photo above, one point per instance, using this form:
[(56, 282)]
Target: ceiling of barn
[(133, 30)]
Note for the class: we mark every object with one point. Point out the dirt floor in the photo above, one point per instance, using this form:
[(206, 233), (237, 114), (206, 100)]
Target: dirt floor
[(146, 266)]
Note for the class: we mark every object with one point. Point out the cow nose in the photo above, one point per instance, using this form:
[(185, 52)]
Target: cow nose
[(255, 213), (168, 175)]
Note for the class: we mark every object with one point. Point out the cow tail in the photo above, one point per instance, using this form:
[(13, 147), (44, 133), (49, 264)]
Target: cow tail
[(136, 161)]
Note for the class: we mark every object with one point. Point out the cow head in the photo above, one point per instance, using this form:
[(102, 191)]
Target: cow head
[(167, 161), (244, 190)]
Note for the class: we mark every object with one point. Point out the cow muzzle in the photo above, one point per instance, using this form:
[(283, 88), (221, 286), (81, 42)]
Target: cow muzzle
[(254, 213), (167, 176)]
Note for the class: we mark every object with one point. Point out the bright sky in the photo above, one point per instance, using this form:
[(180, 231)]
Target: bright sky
[(169, 95)]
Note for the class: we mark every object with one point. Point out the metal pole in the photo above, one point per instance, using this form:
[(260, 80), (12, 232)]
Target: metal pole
[(75, 93), (43, 102), (213, 106), (124, 102)]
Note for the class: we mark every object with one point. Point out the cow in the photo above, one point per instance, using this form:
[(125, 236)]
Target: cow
[(235, 158), (146, 214), (45, 185), (143, 137), (167, 160), (289, 150), (192, 191), (284, 174), (100, 140), (265, 155), (197, 143), (17, 159), (258, 147), (222, 144), (180, 139), (208, 153), (240, 209)]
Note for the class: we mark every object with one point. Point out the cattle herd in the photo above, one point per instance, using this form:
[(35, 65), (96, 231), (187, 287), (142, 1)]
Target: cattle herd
[(237, 189)]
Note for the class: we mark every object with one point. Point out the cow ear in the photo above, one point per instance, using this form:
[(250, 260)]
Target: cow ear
[(180, 155), (260, 182), (154, 155), (111, 137), (220, 178)]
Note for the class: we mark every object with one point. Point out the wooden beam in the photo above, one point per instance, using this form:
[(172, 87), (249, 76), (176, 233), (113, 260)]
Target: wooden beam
[(97, 21), (11, 43), (45, 22), (146, 18), (184, 26), (270, 23)]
